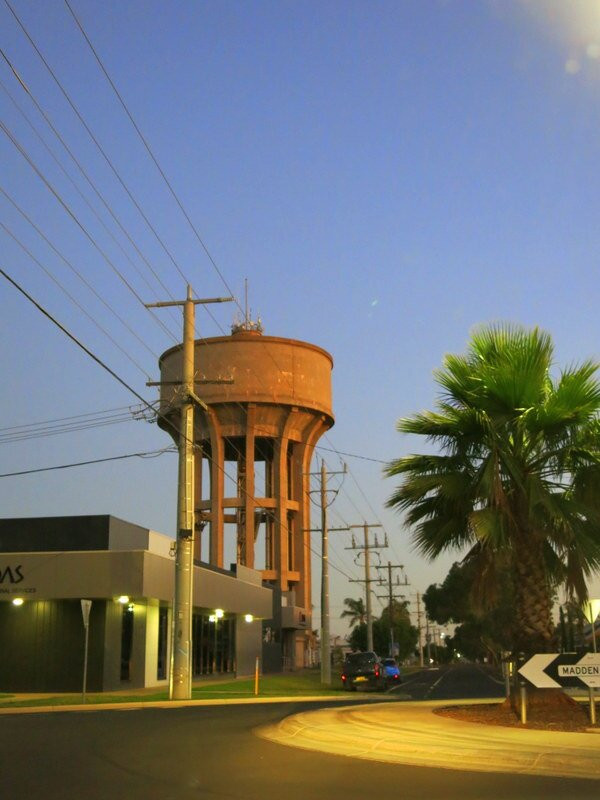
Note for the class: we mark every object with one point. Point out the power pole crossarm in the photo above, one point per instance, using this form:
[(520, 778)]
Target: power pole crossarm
[(196, 302)]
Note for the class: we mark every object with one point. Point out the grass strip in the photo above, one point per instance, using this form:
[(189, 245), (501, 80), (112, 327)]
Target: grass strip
[(305, 683)]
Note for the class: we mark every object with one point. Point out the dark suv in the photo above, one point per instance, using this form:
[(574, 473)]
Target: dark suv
[(363, 669)]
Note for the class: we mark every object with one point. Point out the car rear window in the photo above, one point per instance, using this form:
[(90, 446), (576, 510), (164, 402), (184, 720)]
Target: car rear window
[(358, 659)]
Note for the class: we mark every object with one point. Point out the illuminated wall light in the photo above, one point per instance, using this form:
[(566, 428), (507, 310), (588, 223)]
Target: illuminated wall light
[(17, 601), (248, 617), (130, 607), (212, 618), (123, 599), (219, 613)]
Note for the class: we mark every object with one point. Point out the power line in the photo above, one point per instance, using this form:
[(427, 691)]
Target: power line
[(95, 140), (76, 340), (70, 296), (83, 172), (160, 170), (44, 433), (70, 265), (147, 454), (368, 502), (149, 151), (350, 455), (66, 419), (83, 229)]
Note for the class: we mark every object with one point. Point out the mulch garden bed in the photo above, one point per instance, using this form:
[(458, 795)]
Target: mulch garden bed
[(571, 716)]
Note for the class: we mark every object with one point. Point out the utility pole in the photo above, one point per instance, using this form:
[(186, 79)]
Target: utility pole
[(180, 684), (366, 548), (325, 531), (325, 631), (419, 629), (428, 640), (391, 597)]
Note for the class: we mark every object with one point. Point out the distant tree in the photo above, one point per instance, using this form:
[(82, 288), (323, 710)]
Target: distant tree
[(405, 637), (481, 632), (355, 611), (358, 637)]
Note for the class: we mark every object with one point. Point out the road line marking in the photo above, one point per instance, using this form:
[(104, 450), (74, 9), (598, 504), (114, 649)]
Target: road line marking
[(432, 687)]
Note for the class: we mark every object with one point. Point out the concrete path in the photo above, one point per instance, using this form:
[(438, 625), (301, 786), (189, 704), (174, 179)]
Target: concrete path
[(410, 733)]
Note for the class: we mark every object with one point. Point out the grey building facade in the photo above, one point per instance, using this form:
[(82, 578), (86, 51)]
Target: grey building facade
[(49, 564)]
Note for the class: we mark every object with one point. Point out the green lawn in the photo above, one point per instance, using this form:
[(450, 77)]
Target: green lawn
[(288, 684), (296, 684)]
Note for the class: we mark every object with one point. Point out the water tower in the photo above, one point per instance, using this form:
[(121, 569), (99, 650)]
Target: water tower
[(268, 401)]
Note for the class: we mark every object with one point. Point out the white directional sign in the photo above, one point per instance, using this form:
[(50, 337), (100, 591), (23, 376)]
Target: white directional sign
[(555, 670), (587, 669)]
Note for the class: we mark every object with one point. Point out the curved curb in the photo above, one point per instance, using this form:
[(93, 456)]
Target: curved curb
[(410, 733)]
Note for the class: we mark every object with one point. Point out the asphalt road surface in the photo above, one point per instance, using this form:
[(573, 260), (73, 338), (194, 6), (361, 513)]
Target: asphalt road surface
[(212, 753), (453, 683)]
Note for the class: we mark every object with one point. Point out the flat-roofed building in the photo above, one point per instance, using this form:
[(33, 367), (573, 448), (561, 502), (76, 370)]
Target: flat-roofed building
[(49, 564)]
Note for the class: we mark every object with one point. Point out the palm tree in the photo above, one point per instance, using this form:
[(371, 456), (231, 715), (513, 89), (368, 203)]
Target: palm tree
[(516, 478), (355, 611)]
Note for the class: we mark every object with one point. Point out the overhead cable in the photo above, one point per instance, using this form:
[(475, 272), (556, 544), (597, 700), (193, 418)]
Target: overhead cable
[(95, 140), (83, 172), (147, 454)]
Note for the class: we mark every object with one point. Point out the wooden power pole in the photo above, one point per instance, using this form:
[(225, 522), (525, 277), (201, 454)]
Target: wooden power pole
[(180, 683), (366, 548), (391, 596)]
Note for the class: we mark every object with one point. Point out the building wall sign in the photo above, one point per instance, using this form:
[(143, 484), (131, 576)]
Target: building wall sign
[(11, 575)]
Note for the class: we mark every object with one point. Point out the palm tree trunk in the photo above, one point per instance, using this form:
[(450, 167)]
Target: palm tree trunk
[(535, 628)]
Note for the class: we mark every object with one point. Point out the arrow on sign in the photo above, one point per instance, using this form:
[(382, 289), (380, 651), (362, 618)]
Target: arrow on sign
[(533, 671)]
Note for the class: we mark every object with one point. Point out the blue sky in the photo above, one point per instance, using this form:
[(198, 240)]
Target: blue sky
[(386, 174)]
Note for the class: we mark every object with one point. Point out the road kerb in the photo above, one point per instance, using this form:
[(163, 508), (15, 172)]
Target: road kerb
[(410, 733)]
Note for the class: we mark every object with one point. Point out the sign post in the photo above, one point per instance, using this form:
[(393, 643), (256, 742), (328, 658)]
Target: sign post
[(85, 611), (591, 609), (555, 670)]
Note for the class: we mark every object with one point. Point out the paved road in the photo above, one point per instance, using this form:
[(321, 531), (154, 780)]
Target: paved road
[(211, 753), (452, 683)]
